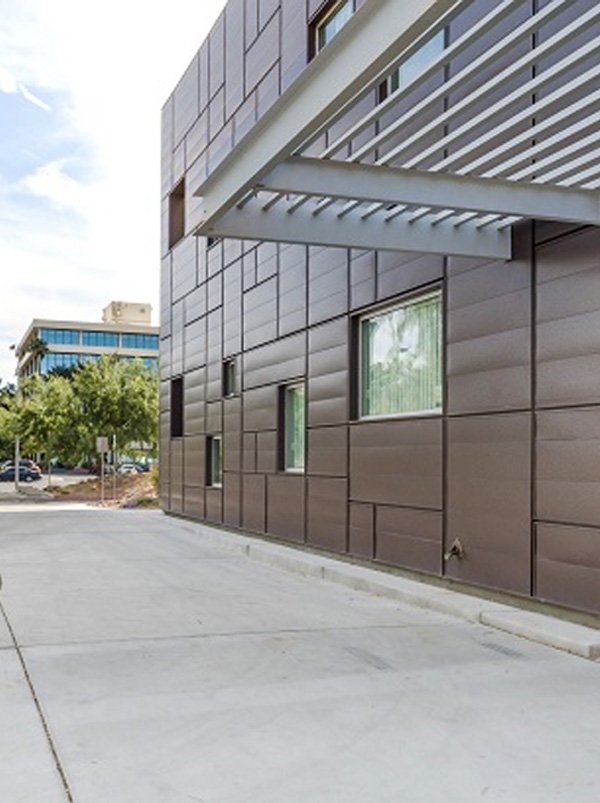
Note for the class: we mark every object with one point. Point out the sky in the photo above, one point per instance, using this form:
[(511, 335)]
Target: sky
[(81, 88)]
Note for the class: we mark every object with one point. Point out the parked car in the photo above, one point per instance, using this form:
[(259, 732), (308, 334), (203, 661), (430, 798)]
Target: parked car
[(25, 474), (128, 468), (24, 462)]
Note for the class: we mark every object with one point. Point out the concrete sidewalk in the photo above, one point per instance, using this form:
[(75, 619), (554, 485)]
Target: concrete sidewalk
[(165, 666)]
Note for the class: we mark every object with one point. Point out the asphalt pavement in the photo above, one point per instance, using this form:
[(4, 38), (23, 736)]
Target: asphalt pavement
[(141, 663)]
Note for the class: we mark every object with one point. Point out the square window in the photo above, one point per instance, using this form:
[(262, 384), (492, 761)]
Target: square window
[(177, 214), (229, 379), (330, 22), (214, 452), (177, 407), (293, 403), (401, 358)]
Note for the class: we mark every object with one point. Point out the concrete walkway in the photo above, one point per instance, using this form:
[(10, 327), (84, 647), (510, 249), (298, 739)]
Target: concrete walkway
[(142, 663)]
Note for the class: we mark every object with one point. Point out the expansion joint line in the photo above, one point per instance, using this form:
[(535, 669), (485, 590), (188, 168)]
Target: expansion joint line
[(49, 739)]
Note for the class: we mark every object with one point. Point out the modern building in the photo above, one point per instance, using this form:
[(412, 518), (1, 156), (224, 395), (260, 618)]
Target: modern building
[(125, 330), (380, 327)]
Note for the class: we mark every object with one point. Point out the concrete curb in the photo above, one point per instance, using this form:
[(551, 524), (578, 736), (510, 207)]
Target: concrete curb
[(547, 630)]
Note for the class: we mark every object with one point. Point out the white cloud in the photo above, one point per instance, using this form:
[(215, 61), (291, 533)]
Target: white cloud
[(52, 183), (114, 64), (10, 86)]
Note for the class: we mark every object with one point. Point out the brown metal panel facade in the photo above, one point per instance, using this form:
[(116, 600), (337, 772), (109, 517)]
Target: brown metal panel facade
[(510, 468)]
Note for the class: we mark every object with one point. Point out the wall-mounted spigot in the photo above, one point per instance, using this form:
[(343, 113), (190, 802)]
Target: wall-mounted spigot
[(456, 550)]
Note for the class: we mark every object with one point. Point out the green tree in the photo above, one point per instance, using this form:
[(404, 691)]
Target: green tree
[(49, 419), (120, 398)]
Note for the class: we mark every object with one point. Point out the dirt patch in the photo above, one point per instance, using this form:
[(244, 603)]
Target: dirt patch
[(129, 491)]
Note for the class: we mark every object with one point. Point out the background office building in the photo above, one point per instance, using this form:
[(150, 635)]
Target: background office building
[(380, 326), (125, 330)]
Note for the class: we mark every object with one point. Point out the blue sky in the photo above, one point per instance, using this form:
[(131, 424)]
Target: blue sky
[(81, 87)]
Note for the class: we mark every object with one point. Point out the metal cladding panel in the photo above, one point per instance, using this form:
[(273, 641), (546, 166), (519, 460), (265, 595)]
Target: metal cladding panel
[(399, 272), (214, 505), (194, 463), (397, 462), (411, 538), (266, 456), (194, 305), (232, 434), (328, 451), (327, 283), (292, 288), (249, 452), (193, 502), (176, 476), (489, 332), (260, 408), (275, 362), (285, 506), (361, 532), (232, 309), (568, 457), (327, 513), (568, 305), (294, 51), (184, 267), (489, 500), (328, 373), (254, 488), (363, 267), (193, 407), (263, 54), (231, 499), (185, 101), (194, 337), (260, 314), (568, 566), (214, 417)]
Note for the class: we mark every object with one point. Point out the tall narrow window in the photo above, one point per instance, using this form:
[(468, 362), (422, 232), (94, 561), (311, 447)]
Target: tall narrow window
[(214, 472), (177, 214), (177, 407), (229, 384), (401, 358), (293, 427), (331, 22)]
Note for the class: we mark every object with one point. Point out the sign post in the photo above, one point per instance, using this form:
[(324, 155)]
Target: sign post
[(114, 466), (101, 448)]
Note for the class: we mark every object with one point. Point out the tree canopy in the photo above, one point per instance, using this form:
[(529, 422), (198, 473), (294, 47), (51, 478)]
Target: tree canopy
[(61, 416)]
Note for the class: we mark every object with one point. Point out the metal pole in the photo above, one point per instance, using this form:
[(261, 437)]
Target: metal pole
[(114, 465), (102, 477), (17, 462)]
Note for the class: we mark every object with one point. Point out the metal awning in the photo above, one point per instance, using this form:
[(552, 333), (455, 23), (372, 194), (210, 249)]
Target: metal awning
[(477, 139)]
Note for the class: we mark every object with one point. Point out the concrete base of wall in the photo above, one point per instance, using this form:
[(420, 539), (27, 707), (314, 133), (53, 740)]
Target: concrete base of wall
[(539, 627)]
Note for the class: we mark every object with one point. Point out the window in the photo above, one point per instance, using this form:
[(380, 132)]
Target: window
[(214, 473), (331, 22), (401, 358), (413, 66), (293, 427), (106, 339), (229, 378), (177, 214), (177, 407), (139, 341), (60, 337)]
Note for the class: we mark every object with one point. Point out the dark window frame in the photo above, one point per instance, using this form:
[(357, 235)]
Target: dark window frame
[(177, 213), (176, 407), (214, 479)]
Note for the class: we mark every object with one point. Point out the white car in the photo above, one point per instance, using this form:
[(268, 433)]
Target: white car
[(128, 468)]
